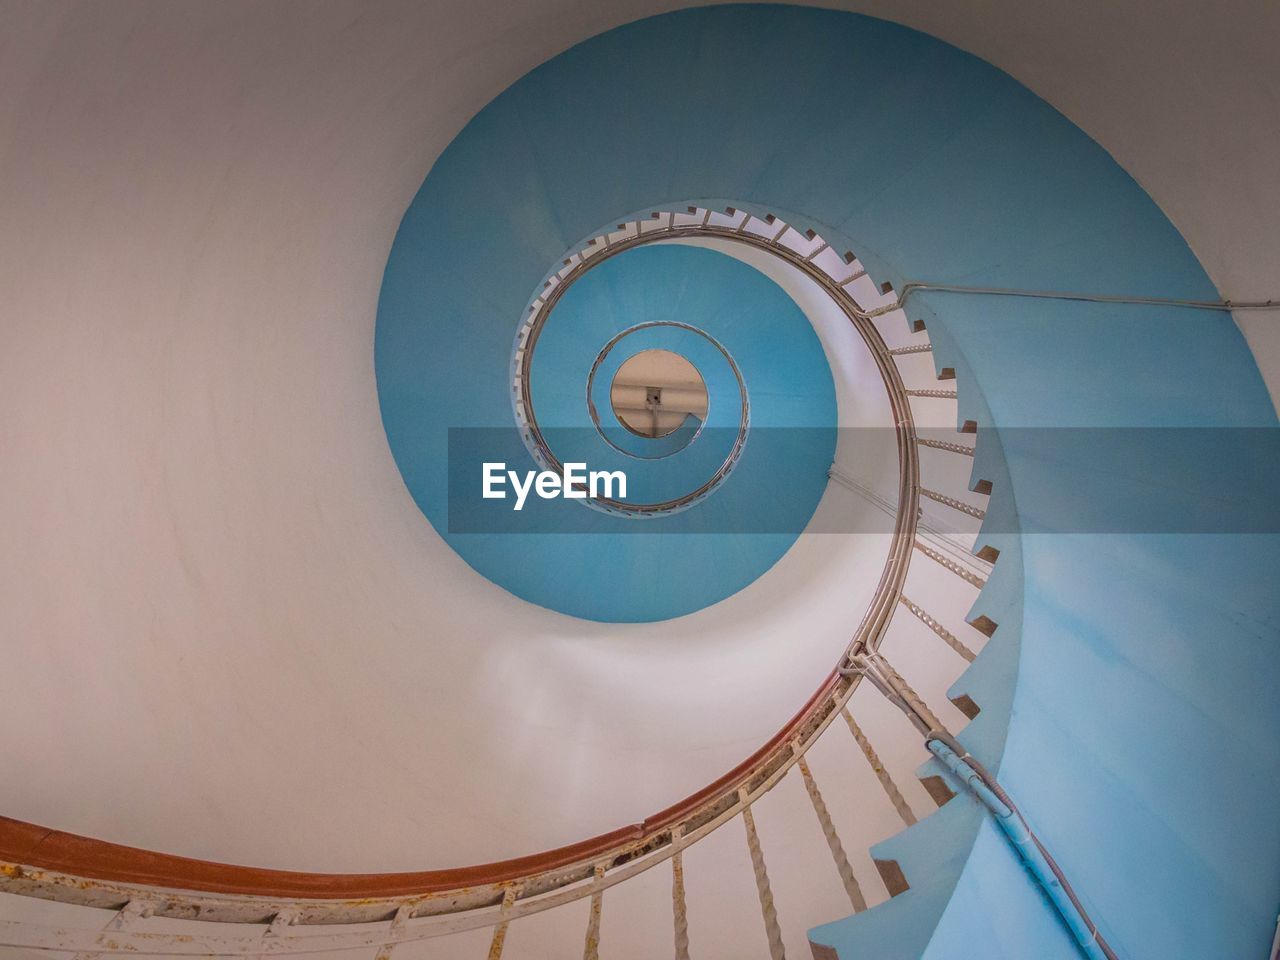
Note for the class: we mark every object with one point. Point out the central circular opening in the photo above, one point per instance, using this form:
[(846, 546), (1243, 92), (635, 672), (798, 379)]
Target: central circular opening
[(657, 392)]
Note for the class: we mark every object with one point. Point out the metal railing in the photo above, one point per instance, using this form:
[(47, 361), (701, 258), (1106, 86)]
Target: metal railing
[(391, 909)]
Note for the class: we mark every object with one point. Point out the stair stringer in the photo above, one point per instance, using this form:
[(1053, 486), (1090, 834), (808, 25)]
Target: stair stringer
[(1143, 656), (937, 854)]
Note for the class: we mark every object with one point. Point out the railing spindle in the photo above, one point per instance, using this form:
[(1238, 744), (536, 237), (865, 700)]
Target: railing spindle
[(963, 449), (890, 788), (951, 565), (679, 911), (771, 928), (856, 899), (393, 934), (500, 930), (949, 638), (591, 949), (953, 503)]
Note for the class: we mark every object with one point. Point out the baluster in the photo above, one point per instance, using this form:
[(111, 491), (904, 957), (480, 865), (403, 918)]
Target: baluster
[(500, 928), (771, 928), (679, 910), (890, 788), (850, 882), (591, 949)]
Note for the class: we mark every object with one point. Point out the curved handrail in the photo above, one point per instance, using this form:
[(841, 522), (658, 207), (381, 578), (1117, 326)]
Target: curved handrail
[(744, 418), (51, 864)]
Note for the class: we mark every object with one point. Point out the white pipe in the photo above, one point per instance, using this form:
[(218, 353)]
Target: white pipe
[(1225, 305)]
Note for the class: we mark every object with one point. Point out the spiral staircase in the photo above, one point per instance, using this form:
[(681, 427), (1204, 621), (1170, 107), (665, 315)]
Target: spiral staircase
[(1036, 617)]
